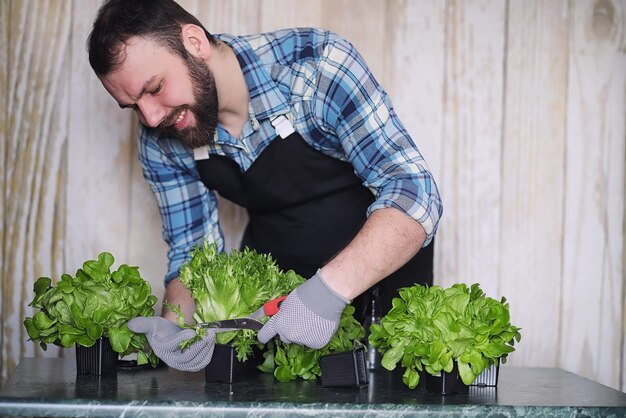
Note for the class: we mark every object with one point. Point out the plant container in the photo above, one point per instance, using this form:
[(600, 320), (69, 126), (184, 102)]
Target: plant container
[(446, 383), (347, 369), (489, 376), (451, 383), (97, 360), (226, 368)]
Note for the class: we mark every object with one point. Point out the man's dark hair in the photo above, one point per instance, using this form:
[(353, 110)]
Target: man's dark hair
[(119, 20)]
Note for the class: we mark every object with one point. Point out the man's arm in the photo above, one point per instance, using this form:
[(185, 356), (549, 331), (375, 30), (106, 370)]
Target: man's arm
[(311, 313), (388, 240), (188, 209), (178, 295), (353, 106)]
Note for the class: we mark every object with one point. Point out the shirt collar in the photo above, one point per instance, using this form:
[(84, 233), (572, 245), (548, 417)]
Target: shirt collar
[(266, 100)]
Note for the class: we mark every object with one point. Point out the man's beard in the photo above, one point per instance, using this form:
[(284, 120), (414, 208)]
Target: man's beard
[(204, 108)]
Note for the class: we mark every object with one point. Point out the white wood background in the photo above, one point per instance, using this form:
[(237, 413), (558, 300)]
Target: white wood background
[(519, 107)]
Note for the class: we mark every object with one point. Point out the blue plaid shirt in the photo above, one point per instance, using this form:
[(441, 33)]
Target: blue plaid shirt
[(322, 85)]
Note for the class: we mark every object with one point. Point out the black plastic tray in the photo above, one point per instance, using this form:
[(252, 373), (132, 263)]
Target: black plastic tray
[(225, 368), (446, 383), (347, 369), (97, 360)]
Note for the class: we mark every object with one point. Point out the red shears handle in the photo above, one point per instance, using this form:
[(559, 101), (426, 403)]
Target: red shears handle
[(273, 306)]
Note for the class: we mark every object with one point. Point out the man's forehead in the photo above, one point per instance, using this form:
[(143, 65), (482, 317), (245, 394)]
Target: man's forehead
[(145, 61), (129, 82), (140, 60)]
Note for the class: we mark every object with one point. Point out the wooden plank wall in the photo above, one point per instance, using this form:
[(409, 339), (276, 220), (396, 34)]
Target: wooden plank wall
[(4, 99), (35, 135), (593, 265), (519, 107), (533, 162)]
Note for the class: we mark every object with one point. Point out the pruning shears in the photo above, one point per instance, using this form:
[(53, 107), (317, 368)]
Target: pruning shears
[(251, 321)]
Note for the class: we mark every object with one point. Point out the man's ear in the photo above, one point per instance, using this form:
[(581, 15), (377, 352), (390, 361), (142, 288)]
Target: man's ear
[(195, 41)]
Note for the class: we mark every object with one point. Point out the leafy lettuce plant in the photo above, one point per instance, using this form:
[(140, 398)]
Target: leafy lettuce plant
[(227, 286), (431, 328), (96, 302), (233, 285), (290, 361)]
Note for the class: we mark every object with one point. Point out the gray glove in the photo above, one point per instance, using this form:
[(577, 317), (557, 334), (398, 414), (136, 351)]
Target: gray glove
[(164, 338), (309, 316)]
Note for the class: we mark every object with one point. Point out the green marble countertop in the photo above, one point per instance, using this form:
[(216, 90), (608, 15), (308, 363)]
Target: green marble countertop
[(50, 387)]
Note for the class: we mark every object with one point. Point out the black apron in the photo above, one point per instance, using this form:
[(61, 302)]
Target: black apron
[(304, 207)]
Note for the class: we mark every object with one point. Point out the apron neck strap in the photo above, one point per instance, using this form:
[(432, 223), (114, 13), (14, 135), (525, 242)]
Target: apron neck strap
[(281, 125)]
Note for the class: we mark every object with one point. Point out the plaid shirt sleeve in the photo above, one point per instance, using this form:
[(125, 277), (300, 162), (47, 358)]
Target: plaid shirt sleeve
[(350, 104), (188, 209)]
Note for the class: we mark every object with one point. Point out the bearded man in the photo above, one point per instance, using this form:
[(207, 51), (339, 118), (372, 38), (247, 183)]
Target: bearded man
[(291, 125)]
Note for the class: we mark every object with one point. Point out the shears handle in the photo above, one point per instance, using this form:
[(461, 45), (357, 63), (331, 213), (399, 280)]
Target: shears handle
[(273, 306)]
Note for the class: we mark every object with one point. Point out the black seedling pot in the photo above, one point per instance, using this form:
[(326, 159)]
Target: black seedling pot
[(347, 369), (446, 383), (225, 368), (97, 360)]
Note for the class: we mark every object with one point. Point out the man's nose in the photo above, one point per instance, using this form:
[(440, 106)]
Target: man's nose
[(150, 112)]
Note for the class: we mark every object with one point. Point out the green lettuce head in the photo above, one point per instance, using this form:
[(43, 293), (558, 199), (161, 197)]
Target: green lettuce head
[(430, 328), (96, 302)]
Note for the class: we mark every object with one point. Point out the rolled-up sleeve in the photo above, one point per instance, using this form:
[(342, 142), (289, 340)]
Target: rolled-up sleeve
[(188, 209), (351, 104)]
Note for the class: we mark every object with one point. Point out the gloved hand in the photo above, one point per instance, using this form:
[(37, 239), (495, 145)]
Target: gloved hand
[(164, 338), (309, 316)]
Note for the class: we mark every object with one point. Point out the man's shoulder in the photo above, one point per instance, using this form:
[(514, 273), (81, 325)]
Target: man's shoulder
[(292, 44)]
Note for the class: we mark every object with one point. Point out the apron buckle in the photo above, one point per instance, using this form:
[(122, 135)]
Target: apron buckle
[(283, 127), (201, 153)]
